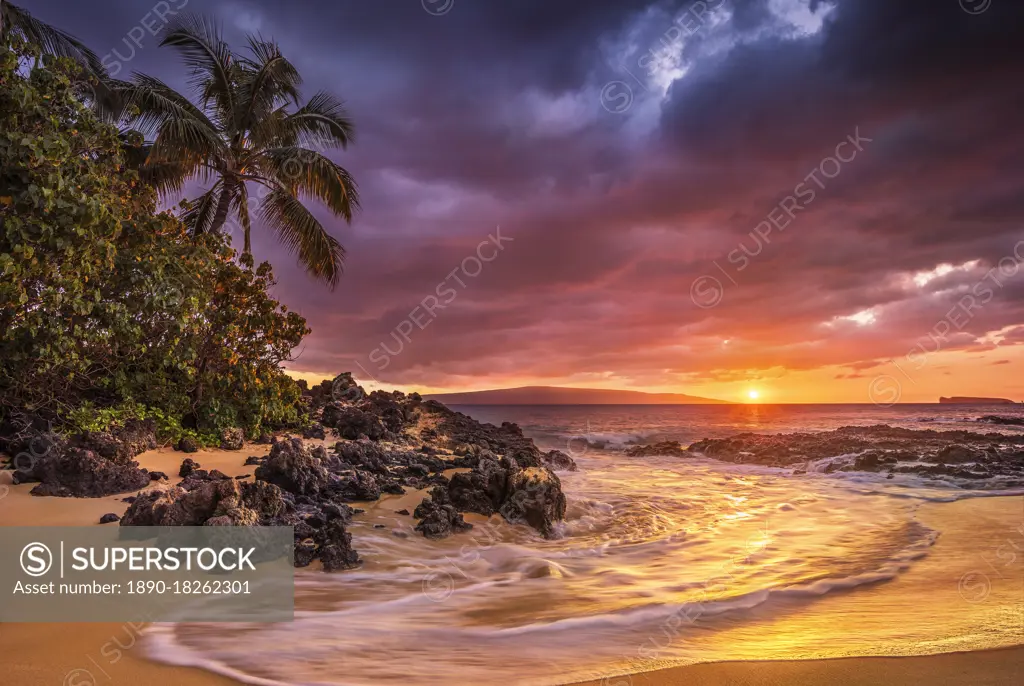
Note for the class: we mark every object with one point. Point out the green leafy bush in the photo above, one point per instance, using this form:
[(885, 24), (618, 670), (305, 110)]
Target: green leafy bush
[(108, 307)]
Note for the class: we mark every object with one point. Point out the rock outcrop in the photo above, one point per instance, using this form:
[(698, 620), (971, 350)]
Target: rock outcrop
[(79, 473)]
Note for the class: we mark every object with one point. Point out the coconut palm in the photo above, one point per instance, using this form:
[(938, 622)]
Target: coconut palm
[(15, 21), (246, 128)]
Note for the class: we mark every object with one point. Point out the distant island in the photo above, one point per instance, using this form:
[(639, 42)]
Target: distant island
[(555, 395), (964, 400)]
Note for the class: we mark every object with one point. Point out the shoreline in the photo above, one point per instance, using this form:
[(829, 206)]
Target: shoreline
[(992, 667), (92, 654)]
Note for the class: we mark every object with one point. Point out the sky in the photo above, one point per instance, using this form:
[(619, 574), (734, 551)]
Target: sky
[(821, 201)]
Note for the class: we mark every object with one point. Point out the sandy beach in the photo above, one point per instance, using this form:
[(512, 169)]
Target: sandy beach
[(94, 654)]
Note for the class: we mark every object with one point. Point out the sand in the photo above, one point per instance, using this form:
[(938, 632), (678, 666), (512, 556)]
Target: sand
[(98, 654)]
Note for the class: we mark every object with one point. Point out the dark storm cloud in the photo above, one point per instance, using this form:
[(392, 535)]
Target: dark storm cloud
[(491, 114)]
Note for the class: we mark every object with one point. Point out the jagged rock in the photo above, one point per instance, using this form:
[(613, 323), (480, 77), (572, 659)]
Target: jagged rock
[(75, 472), (264, 439), (558, 461), (335, 547), (157, 476), (228, 502), (351, 422), (108, 518), (121, 444), (253, 460), (535, 497), (957, 454), (314, 431), (188, 465), (232, 439), (217, 475), (305, 552), (188, 445), (403, 511), (438, 518), (481, 490), (388, 408), (294, 468), (240, 477), (667, 448)]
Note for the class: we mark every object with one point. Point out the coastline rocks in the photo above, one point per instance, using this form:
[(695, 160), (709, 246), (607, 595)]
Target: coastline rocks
[(109, 518), (314, 431), (999, 419), (335, 547), (558, 461), (187, 445), (670, 448), (227, 503), (481, 491), (351, 422), (535, 496), (438, 517), (188, 465), (294, 468), (958, 454), (83, 474), (120, 445), (232, 439)]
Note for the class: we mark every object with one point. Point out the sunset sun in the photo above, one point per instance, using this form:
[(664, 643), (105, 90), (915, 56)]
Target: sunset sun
[(753, 394)]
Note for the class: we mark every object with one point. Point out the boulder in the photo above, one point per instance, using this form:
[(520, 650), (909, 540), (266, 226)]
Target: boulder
[(558, 461), (295, 468), (227, 502), (157, 476), (958, 454), (314, 431), (83, 474), (335, 547), (351, 422), (188, 465), (109, 518), (232, 439), (481, 490), (669, 448), (438, 518), (121, 444), (534, 496), (188, 445)]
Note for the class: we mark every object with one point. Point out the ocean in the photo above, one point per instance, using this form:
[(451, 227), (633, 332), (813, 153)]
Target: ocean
[(660, 561)]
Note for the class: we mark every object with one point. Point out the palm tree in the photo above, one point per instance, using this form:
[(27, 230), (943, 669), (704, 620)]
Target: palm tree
[(17, 21), (247, 128)]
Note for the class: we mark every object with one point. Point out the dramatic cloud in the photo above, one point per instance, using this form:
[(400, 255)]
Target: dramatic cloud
[(700, 195)]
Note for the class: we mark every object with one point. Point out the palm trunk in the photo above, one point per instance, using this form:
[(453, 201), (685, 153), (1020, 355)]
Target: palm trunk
[(223, 205)]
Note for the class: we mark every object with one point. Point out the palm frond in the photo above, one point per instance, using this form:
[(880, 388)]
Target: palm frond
[(317, 251), (157, 102), (323, 122), (204, 50), (264, 80), (199, 213), (50, 39), (309, 173)]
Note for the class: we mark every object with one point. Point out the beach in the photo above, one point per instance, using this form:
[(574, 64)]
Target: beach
[(976, 534)]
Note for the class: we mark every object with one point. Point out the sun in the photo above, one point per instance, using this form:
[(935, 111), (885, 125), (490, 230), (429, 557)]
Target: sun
[(753, 394)]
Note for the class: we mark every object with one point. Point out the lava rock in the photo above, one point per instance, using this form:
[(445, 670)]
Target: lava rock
[(535, 497), (108, 518), (232, 439), (188, 466), (558, 461), (438, 518), (83, 474), (188, 445), (295, 468), (157, 476), (314, 431)]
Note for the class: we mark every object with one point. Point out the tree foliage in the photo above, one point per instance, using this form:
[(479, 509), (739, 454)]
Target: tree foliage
[(108, 306)]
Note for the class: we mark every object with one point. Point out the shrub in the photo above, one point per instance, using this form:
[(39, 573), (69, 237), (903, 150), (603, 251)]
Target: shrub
[(107, 307)]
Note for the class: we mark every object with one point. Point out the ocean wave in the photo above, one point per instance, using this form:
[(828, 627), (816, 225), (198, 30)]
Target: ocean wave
[(606, 440)]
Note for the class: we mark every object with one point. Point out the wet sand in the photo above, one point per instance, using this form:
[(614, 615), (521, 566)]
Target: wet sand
[(96, 654)]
